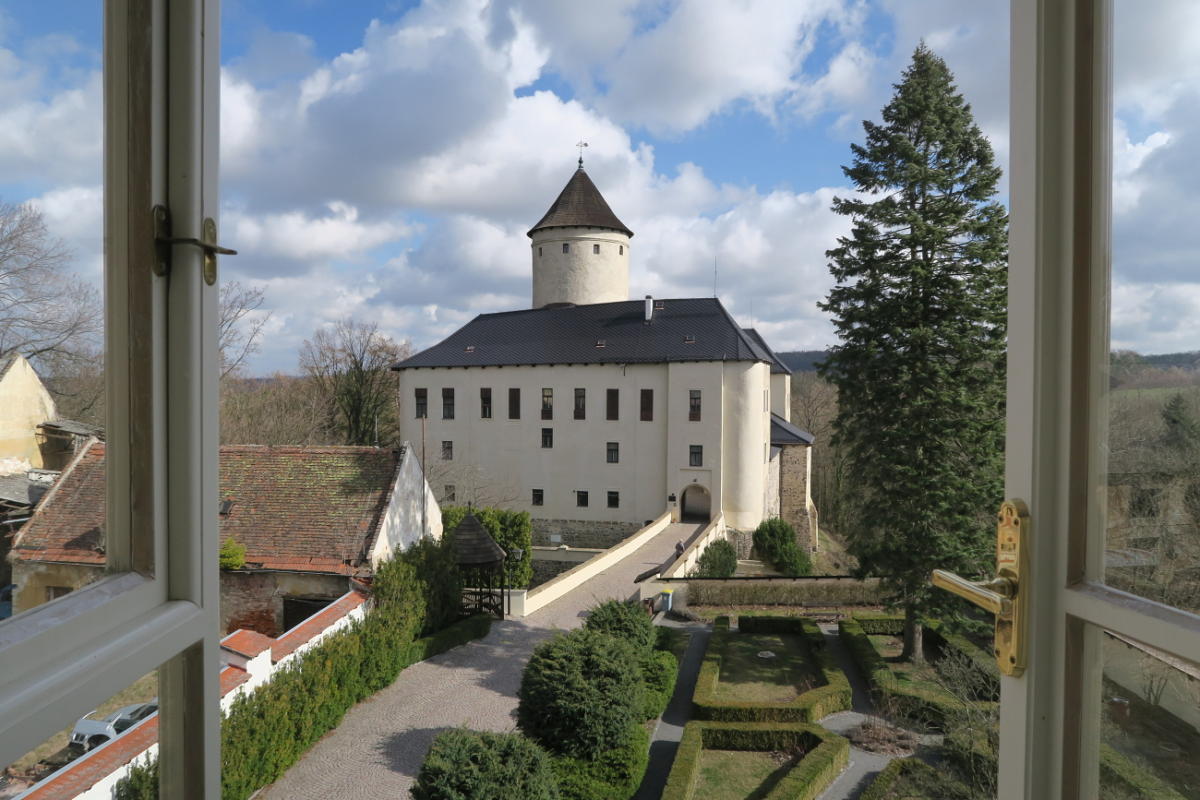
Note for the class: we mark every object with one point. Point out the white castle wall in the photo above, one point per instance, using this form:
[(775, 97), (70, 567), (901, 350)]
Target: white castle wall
[(580, 276)]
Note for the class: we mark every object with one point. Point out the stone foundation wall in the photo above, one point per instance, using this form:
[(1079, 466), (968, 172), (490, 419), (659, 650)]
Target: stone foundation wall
[(795, 503), (254, 600), (742, 541), (581, 533)]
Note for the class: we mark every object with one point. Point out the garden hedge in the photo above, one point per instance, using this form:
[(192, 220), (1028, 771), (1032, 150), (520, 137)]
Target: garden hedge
[(614, 774), (470, 765), (776, 592), (827, 755), (881, 787), (984, 662), (810, 706), (510, 529), (660, 669), (1118, 770)]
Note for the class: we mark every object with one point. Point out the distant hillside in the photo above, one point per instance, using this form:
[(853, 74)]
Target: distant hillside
[(1182, 360), (802, 360)]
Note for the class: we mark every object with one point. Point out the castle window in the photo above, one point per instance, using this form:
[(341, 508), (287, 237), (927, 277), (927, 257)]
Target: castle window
[(566, 247), (514, 403), (595, 249), (547, 437), (447, 404), (612, 402), (693, 405), (421, 399), (614, 452), (614, 499), (695, 455), (581, 498), (447, 451), (581, 404), (547, 404), (539, 252), (485, 403), (537, 497), (448, 495), (621, 250), (647, 405)]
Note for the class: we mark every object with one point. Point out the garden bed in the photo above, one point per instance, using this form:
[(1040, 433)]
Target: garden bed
[(800, 683), (732, 760)]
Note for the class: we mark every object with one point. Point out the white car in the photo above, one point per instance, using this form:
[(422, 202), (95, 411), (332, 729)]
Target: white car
[(90, 733)]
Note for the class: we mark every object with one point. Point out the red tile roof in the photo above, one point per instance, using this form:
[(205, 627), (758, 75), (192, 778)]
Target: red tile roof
[(80, 775), (296, 509), (247, 643)]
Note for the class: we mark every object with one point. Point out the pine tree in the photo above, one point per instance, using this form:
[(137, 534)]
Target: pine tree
[(919, 307)]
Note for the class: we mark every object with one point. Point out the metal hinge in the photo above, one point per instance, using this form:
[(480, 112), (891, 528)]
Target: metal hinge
[(163, 241)]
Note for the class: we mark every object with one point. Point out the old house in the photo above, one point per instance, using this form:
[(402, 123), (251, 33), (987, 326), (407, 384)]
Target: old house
[(311, 519)]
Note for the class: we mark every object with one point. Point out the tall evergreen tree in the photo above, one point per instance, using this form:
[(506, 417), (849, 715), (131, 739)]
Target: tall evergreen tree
[(919, 307)]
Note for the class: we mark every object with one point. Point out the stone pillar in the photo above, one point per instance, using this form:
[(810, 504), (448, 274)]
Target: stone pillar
[(795, 502)]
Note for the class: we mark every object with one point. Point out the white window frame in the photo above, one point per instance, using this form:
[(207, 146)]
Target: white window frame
[(157, 607), (1059, 252)]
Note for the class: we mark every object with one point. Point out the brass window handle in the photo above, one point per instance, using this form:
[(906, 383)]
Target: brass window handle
[(1006, 595)]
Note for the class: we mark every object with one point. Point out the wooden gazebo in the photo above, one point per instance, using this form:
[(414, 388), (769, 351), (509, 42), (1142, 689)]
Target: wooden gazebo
[(481, 562)]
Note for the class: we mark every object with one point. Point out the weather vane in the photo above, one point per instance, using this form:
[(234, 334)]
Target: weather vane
[(581, 144)]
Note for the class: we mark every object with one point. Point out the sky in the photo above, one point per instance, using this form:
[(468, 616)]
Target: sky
[(383, 161)]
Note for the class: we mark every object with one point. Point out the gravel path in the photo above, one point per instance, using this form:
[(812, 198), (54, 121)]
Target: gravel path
[(379, 745)]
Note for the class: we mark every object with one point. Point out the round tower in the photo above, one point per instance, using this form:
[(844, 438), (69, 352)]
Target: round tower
[(580, 249)]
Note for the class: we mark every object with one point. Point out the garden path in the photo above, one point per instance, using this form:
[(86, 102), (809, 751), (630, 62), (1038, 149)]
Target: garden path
[(380, 743)]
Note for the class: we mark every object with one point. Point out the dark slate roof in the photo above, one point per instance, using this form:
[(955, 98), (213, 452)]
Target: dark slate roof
[(73, 427), (18, 490), (569, 335), (784, 433), (778, 367), (580, 204), (474, 545), (296, 509)]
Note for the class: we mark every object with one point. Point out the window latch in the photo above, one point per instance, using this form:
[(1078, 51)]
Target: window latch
[(164, 241)]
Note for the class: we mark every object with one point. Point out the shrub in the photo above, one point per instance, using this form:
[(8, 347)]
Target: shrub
[(623, 620), (719, 560), (510, 529), (659, 671), (469, 765), (775, 543), (1120, 773), (140, 784), (910, 776), (581, 693), (613, 775), (232, 554)]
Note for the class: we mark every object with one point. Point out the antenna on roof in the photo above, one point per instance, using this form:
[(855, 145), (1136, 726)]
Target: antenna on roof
[(581, 144), (716, 265)]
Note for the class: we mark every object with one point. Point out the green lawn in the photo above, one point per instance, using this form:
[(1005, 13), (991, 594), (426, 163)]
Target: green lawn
[(738, 774), (747, 678)]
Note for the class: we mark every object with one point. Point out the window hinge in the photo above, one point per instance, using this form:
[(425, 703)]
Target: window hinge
[(163, 241)]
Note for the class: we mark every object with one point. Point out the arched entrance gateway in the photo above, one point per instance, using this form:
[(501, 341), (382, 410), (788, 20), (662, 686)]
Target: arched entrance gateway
[(696, 504)]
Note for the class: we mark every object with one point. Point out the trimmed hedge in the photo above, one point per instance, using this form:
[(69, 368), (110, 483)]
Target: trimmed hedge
[(983, 661), (810, 706), (910, 767), (581, 692), (1119, 770), (470, 765), (826, 755), (510, 529), (613, 775), (660, 670), (800, 592), (876, 624)]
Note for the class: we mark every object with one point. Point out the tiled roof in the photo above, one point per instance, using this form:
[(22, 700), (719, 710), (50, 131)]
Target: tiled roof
[(474, 545), (778, 367), (247, 643), (19, 490), (296, 509), (698, 329), (580, 205), (785, 433)]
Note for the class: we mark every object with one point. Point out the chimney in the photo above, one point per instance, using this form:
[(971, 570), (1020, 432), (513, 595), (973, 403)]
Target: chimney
[(649, 309)]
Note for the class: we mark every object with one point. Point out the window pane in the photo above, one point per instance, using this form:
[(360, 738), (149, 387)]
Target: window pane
[(1152, 492), (52, 404), (612, 403), (1150, 730), (115, 735)]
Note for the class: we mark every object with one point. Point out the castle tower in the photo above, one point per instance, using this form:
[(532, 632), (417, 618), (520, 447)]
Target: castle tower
[(580, 249)]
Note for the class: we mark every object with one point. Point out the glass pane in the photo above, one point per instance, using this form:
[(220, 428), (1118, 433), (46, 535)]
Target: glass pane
[(98, 750), (1153, 470), (1150, 731), (52, 540)]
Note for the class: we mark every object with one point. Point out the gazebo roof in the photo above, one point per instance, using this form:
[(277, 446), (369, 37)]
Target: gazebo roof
[(474, 545)]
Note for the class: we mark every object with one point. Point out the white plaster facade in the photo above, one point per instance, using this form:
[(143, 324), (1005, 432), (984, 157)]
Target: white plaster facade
[(24, 404), (412, 511), (653, 456), (580, 266)]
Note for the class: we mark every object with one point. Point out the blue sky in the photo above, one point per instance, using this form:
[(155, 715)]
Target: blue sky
[(383, 160)]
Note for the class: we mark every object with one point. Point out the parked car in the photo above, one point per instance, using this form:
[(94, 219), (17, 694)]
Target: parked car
[(90, 732)]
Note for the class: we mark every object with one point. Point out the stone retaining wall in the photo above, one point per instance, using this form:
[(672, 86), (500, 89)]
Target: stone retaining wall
[(581, 533)]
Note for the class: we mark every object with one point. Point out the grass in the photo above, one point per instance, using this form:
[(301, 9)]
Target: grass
[(1156, 740), (747, 678), (738, 774), (143, 689), (831, 557)]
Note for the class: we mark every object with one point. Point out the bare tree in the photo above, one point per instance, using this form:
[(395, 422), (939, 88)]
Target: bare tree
[(239, 327), (350, 363), (281, 409), (45, 312)]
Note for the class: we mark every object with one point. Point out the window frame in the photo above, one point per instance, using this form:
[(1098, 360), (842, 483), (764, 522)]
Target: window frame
[(612, 452), (580, 411), (614, 499), (420, 402), (485, 402), (447, 449), (547, 438), (695, 455), (581, 498), (547, 403), (537, 497), (612, 405), (157, 607), (647, 405), (514, 402), (694, 405), (447, 402)]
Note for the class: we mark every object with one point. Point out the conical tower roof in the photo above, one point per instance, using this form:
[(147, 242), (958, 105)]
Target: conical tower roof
[(474, 544), (579, 205)]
